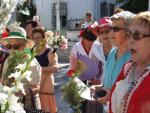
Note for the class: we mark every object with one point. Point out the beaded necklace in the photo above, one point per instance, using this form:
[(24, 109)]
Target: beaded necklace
[(131, 87)]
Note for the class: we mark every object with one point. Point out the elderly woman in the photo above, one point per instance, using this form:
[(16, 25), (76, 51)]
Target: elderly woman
[(131, 92), (49, 63), (17, 41), (119, 55)]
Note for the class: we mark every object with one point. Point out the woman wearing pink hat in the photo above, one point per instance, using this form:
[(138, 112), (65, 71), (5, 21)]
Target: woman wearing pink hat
[(105, 24)]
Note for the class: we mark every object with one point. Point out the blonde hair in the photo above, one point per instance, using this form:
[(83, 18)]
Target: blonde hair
[(142, 18), (118, 10)]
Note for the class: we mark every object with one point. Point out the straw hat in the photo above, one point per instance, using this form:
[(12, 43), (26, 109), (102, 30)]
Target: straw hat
[(18, 33)]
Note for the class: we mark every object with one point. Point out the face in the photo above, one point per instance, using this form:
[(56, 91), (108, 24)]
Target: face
[(88, 17), (104, 37), (139, 47), (87, 43), (37, 38), (29, 30), (16, 44), (118, 33)]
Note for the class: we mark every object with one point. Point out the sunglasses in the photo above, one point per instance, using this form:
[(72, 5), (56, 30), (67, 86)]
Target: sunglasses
[(117, 29), (15, 46), (136, 35)]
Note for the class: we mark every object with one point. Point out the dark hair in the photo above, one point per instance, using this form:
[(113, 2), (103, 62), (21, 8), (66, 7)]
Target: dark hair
[(87, 34), (39, 30), (88, 13), (33, 23)]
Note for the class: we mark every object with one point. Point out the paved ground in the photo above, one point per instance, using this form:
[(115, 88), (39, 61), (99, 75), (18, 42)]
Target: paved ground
[(60, 79)]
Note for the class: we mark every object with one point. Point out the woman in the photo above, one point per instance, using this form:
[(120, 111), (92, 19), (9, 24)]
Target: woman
[(118, 56), (49, 63), (105, 24), (88, 19), (131, 93), (17, 41), (86, 48), (30, 24)]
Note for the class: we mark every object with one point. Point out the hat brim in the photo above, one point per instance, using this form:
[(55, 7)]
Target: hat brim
[(29, 44)]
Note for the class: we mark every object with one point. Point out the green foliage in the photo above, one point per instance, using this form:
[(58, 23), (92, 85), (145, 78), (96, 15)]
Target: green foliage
[(27, 6), (71, 94), (134, 6), (14, 59), (120, 1)]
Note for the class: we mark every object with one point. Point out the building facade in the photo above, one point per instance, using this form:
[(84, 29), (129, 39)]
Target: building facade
[(72, 11)]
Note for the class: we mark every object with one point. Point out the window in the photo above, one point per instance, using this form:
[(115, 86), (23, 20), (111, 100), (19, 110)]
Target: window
[(63, 15), (106, 9)]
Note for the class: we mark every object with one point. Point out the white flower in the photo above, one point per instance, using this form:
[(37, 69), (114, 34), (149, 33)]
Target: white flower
[(3, 98), (16, 75), (18, 86), (21, 66), (27, 75), (13, 103), (49, 34)]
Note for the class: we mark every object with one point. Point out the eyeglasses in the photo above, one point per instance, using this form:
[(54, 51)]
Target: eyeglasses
[(15, 46), (117, 29), (136, 35)]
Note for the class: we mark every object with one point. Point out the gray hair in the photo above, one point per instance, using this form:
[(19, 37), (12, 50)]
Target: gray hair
[(126, 15)]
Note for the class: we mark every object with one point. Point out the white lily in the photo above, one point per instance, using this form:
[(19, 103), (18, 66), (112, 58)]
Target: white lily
[(21, 66), (27, 75), (16, 75)]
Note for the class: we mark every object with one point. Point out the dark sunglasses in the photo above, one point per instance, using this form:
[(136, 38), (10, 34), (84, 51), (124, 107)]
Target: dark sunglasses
[(15, 46), (117, 29), (136, 35)]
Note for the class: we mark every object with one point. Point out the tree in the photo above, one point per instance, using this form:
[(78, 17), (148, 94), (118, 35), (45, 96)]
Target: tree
[(134, 6), (25, 12)]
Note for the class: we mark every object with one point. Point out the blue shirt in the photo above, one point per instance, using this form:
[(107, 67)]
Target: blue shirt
[(113, 67)]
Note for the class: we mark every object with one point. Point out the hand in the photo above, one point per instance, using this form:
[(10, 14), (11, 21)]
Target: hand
[(105, 99), (95, 88), (92, 90)]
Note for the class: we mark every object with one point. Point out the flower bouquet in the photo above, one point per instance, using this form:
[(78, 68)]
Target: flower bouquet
[(8, 100), (16, 72), (56, 41)]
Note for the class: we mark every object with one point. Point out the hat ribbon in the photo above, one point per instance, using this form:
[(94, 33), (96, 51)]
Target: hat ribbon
[(16, 34)]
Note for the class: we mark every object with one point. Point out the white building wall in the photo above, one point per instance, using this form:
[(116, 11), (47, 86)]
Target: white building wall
[(77, 8), (44, 11)]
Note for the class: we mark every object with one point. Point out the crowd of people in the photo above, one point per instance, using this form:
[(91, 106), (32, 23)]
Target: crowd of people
[(117, 46), (123, 54)]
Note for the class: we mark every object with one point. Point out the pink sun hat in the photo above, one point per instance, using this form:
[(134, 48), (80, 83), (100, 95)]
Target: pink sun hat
[(105, 22)]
